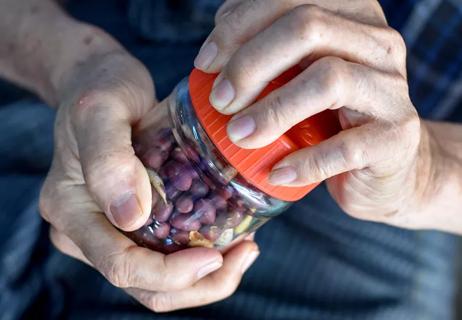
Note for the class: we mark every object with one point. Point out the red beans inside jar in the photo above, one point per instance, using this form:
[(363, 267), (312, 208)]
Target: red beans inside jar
[(198, 197)]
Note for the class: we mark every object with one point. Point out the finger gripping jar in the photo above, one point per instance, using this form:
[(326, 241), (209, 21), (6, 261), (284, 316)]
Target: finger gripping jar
[(206, 190)]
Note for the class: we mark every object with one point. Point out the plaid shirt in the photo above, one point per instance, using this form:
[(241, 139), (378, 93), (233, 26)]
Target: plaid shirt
[(432, 30)]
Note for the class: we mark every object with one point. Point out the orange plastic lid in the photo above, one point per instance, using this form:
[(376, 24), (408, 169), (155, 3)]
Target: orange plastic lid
[(256, 164)]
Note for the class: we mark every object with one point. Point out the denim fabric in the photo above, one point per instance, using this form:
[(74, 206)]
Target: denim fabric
[(315, 263)]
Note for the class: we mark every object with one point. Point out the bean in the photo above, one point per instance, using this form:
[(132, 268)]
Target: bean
[(209, 182), (182, 181), (235, 217), (179, 155), (185, 222), (218, 201), (181, 237), (143, 237), (191, 153), (164, 133), (179, 175), (153, 158), (173, 168), (225, 191), (196, 203), (161, 229), (205, 211), (212, 233), (193, 172), (171, 191), (229, 219), (163, 211), (198, 188), (184, 204), (164, 139)]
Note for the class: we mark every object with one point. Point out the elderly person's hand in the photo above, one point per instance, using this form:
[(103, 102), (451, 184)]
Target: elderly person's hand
[(379, 167), (96, 182)]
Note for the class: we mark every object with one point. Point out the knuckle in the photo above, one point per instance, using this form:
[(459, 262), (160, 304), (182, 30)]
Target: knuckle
[(333, 74), (396, 48), (229, 22), (161, 303), (317, 168), (226, 20), (241, 69), (118, 270), (102, 165), (274, 113), (308, 21), (334, 68), (353, 156), (399, 45)]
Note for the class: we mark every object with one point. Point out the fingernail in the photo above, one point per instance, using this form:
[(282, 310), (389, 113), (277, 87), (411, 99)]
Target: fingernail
[(209, 268), (222, 94), (249, 260), (206, 55), (241, 128), (125, 210), (282, 176)]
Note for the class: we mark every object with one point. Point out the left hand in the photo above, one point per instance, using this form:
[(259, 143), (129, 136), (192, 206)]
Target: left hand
[(378, 166)]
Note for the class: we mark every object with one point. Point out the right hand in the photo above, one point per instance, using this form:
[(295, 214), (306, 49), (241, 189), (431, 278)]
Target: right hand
[(96, 182)]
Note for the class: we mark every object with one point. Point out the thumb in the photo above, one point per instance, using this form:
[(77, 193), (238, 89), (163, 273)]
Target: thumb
[(115, 177)]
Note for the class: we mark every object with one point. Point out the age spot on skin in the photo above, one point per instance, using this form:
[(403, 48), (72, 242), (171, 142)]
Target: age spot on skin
[(88, 40)]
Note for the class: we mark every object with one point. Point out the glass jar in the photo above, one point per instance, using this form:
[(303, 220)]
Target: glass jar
[(199, 197)]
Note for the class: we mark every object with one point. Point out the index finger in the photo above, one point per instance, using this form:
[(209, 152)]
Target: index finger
[(236, 23)]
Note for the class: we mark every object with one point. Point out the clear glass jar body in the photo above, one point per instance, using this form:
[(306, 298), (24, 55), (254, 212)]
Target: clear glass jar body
[(199, 199)]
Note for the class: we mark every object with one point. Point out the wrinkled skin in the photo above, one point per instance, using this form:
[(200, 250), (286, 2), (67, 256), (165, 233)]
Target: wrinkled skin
[(376, 168)]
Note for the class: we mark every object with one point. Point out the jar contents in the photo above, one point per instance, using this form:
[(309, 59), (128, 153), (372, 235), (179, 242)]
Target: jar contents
[(189, 206), (206, 191)]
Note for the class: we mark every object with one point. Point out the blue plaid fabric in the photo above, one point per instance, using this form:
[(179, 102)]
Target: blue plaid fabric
[(433, 33), (315, 263)]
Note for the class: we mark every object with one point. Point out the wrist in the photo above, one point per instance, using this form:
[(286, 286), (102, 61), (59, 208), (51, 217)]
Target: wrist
[(437, 194), (427, 168)]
